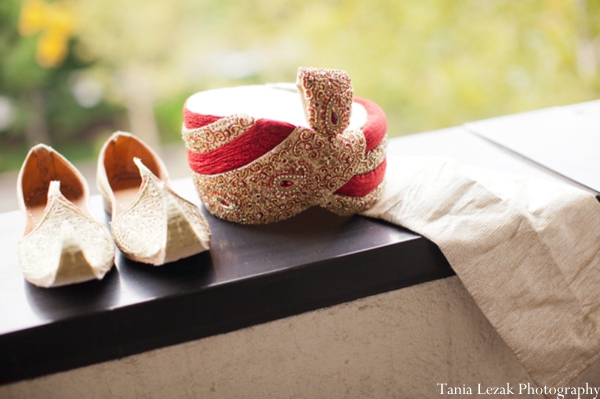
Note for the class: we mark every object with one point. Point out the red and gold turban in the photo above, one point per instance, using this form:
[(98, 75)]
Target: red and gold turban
[(256, 159)]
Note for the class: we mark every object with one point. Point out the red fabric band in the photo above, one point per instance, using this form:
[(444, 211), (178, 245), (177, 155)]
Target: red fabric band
[(376, 126), (361, 185), (261, 138), (194, 121), (266, 134)]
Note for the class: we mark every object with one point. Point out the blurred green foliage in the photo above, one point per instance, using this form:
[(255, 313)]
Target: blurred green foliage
[(429, 64), (39, 102)]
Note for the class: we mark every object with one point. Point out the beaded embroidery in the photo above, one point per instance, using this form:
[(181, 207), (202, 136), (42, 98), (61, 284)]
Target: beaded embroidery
[(305, 169), (327, 98), (216, 134)]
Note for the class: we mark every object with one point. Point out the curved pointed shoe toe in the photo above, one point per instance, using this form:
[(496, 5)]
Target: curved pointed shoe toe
[(62, 243), (150, 222)]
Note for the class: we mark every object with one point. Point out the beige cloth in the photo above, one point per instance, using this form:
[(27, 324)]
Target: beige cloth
[(528, 251)]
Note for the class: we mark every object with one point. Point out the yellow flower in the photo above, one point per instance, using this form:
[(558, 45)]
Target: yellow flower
[(57, 23)]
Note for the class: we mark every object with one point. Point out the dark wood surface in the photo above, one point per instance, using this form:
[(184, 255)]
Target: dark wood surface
[(252, 274)]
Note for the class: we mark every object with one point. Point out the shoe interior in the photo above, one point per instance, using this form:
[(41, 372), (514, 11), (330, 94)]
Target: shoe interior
[(122, 173), (42, 166)]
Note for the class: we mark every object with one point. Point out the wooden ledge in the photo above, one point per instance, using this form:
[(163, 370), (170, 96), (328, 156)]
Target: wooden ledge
[(252, 274)]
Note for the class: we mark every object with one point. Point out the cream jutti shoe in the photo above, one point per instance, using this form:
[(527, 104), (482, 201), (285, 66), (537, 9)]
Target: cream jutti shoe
[(62, 243), (150, 222)]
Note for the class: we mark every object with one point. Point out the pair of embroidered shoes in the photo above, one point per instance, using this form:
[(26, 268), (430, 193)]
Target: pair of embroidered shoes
[(63, 244)]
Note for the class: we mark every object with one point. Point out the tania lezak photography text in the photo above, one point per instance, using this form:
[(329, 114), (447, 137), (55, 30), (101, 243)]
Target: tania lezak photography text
[(582, 392)]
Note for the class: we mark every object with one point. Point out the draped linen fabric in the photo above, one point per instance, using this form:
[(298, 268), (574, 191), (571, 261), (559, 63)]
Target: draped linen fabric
[(528, 251)]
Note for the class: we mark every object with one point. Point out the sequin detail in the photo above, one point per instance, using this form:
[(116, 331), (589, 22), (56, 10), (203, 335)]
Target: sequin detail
[(373, 158), (345, 206), (216, 134), (317, 166), (327, 98), (304, 170), (39, 252), (137, 230)]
